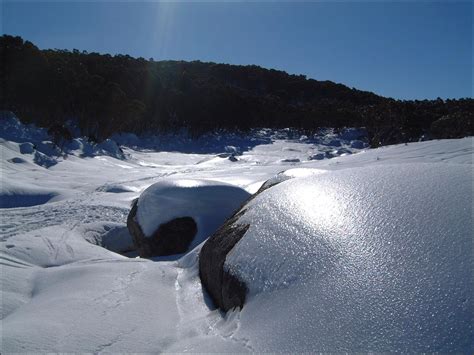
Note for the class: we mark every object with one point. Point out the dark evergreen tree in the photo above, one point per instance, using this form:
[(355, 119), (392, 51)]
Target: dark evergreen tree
[(108, 94)]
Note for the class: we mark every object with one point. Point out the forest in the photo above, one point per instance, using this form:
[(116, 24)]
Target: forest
[(108, 94)]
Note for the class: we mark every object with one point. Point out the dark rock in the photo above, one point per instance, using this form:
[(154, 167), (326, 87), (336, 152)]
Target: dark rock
[(225, 289), (44, 160), (17, 160), (291, 160), (318, 156), (231, 156), (27, 148), (267, 184), (279, 178), (173, 237)]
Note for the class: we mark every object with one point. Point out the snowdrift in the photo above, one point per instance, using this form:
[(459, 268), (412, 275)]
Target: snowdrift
[(24, 195)]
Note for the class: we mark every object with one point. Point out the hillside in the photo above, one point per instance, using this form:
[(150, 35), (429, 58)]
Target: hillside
[(109, 94)]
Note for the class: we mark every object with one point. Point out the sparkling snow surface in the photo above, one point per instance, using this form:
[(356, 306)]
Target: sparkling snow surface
[(63, 292)]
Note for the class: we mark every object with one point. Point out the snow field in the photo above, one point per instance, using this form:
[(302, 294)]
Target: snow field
[(63, 291)]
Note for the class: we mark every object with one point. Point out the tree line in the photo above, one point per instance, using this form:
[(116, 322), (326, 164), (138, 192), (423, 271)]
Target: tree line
[(109, 94)]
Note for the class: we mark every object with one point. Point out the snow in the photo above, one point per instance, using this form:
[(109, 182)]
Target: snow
[(66, 289), (208, 202)]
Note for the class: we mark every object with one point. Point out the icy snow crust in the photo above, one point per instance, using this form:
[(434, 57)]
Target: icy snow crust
[(208, 202), (380, 258), (62, 291)]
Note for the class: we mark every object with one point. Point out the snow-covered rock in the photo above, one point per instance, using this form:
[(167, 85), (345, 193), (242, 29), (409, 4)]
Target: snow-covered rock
[(13, 130), (110, 147), (317, 156), (48, 148), (380, 259), (171, 237), (175, 214), (232, 150), (44, 160), (74, 144)]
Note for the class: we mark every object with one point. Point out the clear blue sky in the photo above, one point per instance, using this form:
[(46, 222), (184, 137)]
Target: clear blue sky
[(403, 50)]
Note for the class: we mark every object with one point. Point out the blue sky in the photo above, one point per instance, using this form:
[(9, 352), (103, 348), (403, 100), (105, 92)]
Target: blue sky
[(399, 49)]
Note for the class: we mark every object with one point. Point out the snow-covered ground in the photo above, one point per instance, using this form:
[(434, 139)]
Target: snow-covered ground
[(62, 291)]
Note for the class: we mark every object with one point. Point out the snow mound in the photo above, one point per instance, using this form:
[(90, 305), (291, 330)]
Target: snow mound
[(208, 202), (116, 188), (14, 195), (364, 259)]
